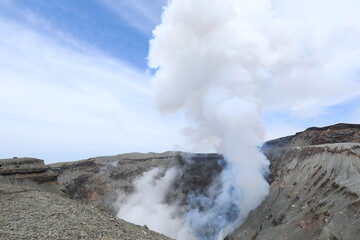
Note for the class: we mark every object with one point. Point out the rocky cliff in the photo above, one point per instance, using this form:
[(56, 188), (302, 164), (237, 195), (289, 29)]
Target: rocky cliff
[(34, 205), (338, 133), (314, 191), (27, 168), (315, 187), (30, 171), (99, 180)]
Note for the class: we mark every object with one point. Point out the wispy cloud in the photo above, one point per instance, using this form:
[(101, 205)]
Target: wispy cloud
[(63, 102), (143, 15)]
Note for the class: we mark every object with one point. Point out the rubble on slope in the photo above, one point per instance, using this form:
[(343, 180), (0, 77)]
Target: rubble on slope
[(315, 188)]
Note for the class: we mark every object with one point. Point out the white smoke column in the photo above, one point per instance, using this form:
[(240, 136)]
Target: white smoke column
[(208, 56)]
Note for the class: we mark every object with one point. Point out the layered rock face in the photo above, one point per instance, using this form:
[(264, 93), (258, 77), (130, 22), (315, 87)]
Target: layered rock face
[(30, 171), (315, 188), (99, 180), (34, 205), (27, 168), (314, 191), (314, 178), (338, 133)]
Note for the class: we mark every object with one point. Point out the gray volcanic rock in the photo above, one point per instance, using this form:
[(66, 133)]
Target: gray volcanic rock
[(315, 189), (338, 133), (99, 180), (29, 170), (30, 213), (13, 166)]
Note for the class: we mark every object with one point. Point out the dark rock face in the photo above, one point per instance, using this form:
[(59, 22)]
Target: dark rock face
[(315, 187), (99, 180), (339, 133)]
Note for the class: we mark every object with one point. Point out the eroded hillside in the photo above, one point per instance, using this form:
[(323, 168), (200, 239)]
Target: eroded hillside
[(314, 191), (315, 187)]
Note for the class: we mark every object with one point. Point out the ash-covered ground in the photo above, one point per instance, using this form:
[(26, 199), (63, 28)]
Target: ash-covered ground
[(314, 192)]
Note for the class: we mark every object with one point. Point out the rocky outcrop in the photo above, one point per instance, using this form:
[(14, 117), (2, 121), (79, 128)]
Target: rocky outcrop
[(314, 191), (338, 133), (99, 180), (315, 188), (29, 170)]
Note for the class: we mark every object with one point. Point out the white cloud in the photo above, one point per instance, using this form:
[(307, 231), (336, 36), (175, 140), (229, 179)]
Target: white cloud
[(61, 102), (55, 87), (319, 48), (143, 15), (280, 129)]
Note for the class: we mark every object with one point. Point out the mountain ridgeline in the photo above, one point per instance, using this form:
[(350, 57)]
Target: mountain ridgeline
[(314, 189)]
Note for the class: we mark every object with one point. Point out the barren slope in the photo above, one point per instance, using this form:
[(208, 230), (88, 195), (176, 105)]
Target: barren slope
[(314, 192), (315, 189), (30, 213)]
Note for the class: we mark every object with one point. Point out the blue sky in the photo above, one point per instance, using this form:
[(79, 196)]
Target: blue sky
[(74, 82), (121, 34)]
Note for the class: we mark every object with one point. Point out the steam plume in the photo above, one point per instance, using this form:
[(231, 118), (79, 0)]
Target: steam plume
[(147, 206), (222, 62), (208, 57)]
